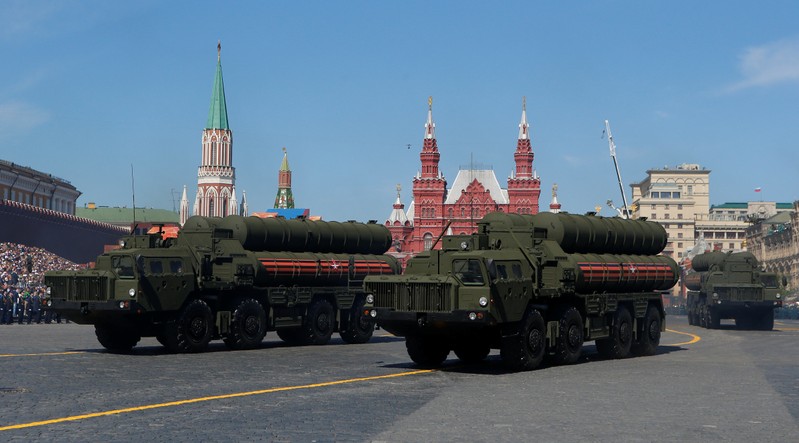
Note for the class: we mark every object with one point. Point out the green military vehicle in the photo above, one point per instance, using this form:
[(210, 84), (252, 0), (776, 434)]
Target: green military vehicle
[(532, 286), (233, 278), (731, 286)]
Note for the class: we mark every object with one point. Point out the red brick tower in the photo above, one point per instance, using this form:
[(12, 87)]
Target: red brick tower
[(429, 190), (524, 187)]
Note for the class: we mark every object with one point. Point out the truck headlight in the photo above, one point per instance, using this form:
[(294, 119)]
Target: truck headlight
[(48, 290), (778, 296), (715, 295), (132, 292), (370, 298), (483, 301)]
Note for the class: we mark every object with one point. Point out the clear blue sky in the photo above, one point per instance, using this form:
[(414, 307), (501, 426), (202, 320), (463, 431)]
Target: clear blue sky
[(88, 88)]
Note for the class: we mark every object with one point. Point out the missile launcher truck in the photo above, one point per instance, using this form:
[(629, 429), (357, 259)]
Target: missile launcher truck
[(731, 286), (534, 287), (233, 278)]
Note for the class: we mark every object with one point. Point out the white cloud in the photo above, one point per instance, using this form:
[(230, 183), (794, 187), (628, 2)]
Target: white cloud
[(769, 64), (21, 17), (19, 117)]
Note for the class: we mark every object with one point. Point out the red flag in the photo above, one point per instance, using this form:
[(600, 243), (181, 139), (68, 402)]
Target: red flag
[(757, 189)]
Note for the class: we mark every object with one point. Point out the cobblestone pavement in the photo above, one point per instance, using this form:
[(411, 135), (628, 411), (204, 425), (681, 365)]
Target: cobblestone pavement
[(58, 384)]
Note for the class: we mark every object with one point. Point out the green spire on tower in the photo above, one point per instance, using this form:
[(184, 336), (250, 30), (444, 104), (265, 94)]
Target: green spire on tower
[(217, 115)]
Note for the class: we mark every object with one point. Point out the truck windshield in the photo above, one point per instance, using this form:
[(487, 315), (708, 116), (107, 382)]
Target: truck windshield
[(769, 281), (123, 265), (468, 271)]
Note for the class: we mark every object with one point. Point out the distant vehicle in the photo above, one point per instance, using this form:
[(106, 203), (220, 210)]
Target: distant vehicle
[(534, 287), (731, 285), (233, 278)]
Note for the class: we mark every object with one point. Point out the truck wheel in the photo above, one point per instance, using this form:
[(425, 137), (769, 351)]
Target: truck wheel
[(193, 329), (472, 352), (766, 321), (359, 327), (428, 352), (712, 319), (524, 351), (621, 336), (569, 344), (248, 326), (649, 335), (691, 321), (116, 339), (320, 322)]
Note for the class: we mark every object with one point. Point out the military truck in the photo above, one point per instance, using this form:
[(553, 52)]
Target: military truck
[(233, 278), (731, 286), (534, 287)]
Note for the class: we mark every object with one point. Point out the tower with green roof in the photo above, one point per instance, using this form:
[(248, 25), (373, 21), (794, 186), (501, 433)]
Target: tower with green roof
[(284, 198), (216, 177)]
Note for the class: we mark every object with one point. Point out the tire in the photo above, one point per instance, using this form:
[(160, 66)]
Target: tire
[(247, 326), (524, 351), (472, 351), (712, 319), (649, 335), (320, 322), (115, 339), (193, 329), (766, 321), (618, 344), (569, 344), (426, 351), (359, 327)]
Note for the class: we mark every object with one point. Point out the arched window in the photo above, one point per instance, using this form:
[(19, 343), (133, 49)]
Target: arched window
[(211, 207), (213, 151), (428, 241)]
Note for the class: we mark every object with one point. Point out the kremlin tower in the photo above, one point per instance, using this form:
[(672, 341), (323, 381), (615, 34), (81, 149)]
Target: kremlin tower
[(216, 178), (474, 193), (284, 198)]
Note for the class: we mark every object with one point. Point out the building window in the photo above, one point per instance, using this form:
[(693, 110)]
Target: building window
[(679, 216), (679, 207), (690, 190), (428, 241), (732, 245), (679, 235)]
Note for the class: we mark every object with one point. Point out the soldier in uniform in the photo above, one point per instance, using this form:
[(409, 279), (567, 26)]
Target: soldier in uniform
[(7, 306), (22, 306), (36, 305)]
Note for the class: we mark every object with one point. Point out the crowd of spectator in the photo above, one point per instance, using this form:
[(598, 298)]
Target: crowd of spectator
[(23, 298)]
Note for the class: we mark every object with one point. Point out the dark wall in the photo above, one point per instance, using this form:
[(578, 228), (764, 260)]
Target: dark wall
[(76, 239)]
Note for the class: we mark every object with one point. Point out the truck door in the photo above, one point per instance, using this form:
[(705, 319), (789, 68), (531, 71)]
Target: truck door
[(512, 290)]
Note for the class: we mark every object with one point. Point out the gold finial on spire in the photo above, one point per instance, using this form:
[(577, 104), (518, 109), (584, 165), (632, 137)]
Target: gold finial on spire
[(218, 50), (284, 149), (430, 101), (524, 103), (399, 188), (554, 190)]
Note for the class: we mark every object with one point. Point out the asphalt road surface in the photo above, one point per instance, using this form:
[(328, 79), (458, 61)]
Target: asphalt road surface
[(58, 384)]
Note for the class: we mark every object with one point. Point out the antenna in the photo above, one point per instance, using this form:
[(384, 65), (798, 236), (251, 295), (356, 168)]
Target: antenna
[(625, 213), (133, 194)]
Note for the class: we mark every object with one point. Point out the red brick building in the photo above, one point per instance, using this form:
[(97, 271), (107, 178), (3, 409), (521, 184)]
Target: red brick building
[(474, 192)]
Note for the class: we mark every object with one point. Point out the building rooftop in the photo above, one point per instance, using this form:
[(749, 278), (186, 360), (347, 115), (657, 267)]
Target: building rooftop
[(117, 215)]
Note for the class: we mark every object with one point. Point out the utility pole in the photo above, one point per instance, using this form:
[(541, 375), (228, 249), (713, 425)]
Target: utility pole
[(625, 212)]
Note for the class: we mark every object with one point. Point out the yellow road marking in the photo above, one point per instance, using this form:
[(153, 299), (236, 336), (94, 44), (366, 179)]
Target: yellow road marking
[(43, 353), (211, 398), (788, 329), (695, 338)]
